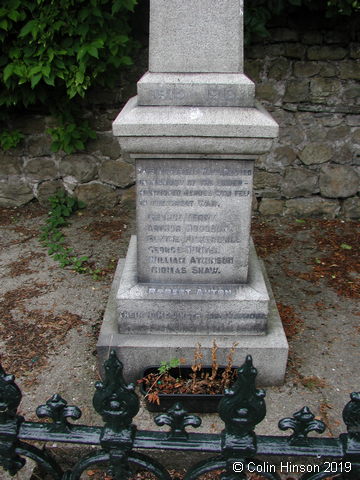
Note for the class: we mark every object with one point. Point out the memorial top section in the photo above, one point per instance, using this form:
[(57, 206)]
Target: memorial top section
[(196, 36)]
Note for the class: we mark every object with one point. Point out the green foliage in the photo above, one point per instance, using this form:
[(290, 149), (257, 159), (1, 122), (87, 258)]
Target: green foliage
[(166, 366), (259, 12), (10, 139), (65, 46), (62, 207), (71, 134), (342, 7)]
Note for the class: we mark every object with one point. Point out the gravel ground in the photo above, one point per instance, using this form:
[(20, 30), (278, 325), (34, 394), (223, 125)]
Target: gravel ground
[(50, 316)]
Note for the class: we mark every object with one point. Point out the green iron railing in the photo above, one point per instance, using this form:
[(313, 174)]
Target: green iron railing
[(236, 450)]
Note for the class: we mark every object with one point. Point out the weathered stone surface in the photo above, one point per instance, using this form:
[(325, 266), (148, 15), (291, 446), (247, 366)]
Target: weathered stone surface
[(185, 145), (355, 50), (117, 172), (267, 184), (315, 134), (270, 350), (14, 192), (192, 204), (337, 133), (9, 165), (305, 119), (279, 69), (349, 70), (274, 50), (313, 206), (356, 159), (187, 36), (296, 91), (284, 35), (106, 145), (283, 156), (267, 91), (80, 166), (128, 199), (283, 117), (101, 122), (174, 121), (326, 53), (315, 153), (29, 124), (323, 87), (271, 206), (157, 308), (255, 51), (196, 89), (337, 36), (331, 120), (263, 180), (328, 69), (295, 50), (299, 182), (338, 181), (96, 195), (39, 145), (292, 135), (352, 92), (351, 208), (356, 136), (41, 168), (306, 69), (344, 155), (169, 308), (253, 69), (254, 203), (312, 38), (353, 120), (48, 189)]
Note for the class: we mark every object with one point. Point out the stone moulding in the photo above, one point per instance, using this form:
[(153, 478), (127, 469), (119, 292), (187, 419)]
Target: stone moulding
[(176, 121), (270, 351), (194, 130), (157, 309)]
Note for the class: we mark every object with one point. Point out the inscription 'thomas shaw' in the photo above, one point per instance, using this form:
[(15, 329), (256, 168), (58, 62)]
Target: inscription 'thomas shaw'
[(193, 221)]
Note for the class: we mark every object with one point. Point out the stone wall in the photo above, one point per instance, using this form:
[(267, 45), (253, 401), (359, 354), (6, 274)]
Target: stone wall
[(99, 176), (309, 81), (307, 78)]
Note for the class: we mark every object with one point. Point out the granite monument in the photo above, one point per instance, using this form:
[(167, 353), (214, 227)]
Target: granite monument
[(194, 130)]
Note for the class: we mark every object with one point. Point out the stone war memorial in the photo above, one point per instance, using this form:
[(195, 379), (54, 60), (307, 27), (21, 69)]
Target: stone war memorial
[(194, 130)]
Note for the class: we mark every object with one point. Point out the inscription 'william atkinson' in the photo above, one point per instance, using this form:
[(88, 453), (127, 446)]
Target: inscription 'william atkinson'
[(206, 200)]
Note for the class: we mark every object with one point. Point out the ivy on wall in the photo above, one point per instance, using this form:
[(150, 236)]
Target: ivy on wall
[(52, 52), (60, 45)]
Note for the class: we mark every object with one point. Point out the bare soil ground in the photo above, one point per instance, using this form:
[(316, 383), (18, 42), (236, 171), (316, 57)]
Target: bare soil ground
[(50, 317)]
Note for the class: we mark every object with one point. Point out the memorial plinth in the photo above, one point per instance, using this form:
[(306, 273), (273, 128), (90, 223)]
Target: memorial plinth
[(192, 274)]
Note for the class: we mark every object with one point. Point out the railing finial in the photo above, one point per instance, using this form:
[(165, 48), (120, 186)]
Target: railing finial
[(10, 395), (114, 400), (241, 409)]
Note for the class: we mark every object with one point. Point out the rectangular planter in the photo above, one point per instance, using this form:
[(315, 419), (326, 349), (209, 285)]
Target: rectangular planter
[(192, 402)]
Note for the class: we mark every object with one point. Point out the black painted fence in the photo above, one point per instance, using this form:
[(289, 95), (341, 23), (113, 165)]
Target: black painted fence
[(236, 450)]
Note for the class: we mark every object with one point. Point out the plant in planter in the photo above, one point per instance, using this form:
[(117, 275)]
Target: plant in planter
[(198, 387)]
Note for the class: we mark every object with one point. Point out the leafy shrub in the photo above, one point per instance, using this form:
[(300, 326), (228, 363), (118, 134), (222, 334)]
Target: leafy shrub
[(259, 12), (71, 133), (53, 49), (10, 139)]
